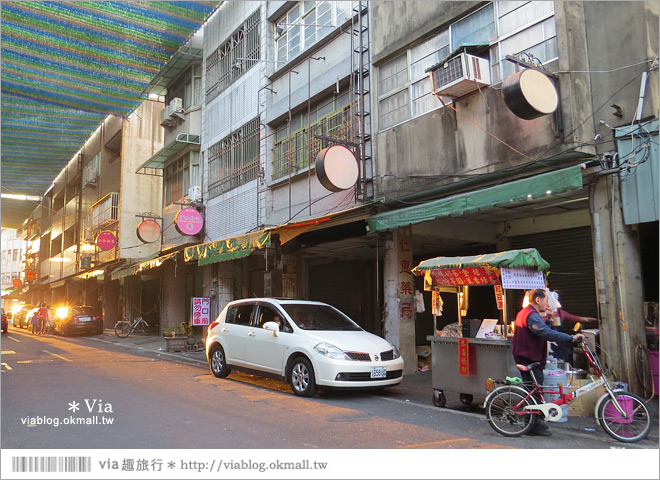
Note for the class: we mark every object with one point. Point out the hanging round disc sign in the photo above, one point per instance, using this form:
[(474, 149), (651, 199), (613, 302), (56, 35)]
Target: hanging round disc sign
[(336, 168), (106, 240), (188, 221), (148, 231), (530, 94)]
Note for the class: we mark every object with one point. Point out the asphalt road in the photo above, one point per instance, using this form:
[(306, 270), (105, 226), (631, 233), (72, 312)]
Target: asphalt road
[(129, 398)]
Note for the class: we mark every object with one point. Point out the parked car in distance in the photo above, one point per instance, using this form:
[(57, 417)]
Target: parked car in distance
[(77, 319), (5, 322), (308, 344), (22, 317)]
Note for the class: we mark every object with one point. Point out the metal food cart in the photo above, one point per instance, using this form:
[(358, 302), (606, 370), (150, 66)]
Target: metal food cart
[(463, 364)]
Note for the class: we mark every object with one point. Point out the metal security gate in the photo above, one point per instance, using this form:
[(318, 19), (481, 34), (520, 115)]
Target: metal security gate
[(347, 286), (570, 255)]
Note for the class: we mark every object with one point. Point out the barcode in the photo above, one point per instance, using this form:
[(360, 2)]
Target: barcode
[(51, 464)]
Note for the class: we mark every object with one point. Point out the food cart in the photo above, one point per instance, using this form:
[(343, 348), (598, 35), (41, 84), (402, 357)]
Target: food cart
[(462, 363)]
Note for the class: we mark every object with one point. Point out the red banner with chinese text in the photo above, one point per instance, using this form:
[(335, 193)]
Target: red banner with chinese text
[(465, 276), (463, 357)]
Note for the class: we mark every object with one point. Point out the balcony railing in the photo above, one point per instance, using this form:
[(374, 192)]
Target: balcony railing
[(105, 211), (291, 154)]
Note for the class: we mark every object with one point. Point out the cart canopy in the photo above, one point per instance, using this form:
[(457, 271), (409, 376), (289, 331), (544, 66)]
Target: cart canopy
[(528, 257)]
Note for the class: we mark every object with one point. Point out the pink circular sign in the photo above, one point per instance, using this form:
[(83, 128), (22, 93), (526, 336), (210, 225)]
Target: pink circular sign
[(188, 221), (106, 240), (148, 231)]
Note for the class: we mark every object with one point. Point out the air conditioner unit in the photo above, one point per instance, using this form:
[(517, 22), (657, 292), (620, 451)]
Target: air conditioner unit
[(176, 105), (194, 193), (88, 235), (460, 75), (166, 116)]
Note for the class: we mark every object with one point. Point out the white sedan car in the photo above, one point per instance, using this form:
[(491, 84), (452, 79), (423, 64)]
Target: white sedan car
[(308, 344)]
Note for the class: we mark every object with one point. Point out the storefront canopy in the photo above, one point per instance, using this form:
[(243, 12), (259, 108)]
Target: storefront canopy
[(528, 257), (161, 157), (510, 193), (227, 249)]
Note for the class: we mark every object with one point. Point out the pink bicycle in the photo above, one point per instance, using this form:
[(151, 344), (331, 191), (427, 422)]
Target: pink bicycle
[(513, 408)]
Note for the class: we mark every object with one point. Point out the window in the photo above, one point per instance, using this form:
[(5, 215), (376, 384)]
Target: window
[(305, 24), (523, 27), (15, 254), (223, 66), (180, 176), (330, 117), (267, 314), (188, 88), (502, 28), (404, 87), (92, 169), (234, 160), (240, 314), (478, 28)]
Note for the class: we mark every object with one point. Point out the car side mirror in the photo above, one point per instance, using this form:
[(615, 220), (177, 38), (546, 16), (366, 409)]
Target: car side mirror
[(272, 326)]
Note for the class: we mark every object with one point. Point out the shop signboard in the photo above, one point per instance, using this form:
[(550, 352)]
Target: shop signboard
[(465, 276), (188, 221), (201, 311), (463, 357), (522, 278), (106, 240), (30, 275), (148, 231), (499, 297)]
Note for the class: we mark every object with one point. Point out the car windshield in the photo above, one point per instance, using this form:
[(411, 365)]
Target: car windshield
[(319, 317), (83, 310)]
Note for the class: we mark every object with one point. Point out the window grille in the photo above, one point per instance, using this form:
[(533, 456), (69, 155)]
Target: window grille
[(105, 211), (234, 160), (223, 66), (291, 154)]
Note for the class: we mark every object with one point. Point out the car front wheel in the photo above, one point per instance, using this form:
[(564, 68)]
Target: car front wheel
[(218, 362), (301, 377)]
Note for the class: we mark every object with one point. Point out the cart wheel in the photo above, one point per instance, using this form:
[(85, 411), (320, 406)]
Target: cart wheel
[(439, 399), (465, 398)]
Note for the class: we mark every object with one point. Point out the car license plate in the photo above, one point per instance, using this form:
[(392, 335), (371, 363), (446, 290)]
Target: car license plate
[(379, 372), (84, 319)]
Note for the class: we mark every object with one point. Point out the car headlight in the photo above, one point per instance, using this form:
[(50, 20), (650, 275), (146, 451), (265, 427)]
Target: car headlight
[(395, 353), (331, 351)]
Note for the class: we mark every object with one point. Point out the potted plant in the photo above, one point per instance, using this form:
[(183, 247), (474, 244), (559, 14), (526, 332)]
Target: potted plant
[(176, 338)]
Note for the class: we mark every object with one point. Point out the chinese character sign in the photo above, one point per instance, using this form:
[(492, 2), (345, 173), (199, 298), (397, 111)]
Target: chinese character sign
[(463, 357), (201, 311), (405, 278), (522, 278), (499, 297), (465, 276)]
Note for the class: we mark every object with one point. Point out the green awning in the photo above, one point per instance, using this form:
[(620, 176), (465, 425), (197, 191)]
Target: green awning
[(177, 64), (161, 157), (510, 193), (227, 249), (528, 257)]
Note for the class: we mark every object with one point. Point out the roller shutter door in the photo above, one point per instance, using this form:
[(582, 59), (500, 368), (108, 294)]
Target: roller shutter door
[(570, 255), (347, 286)]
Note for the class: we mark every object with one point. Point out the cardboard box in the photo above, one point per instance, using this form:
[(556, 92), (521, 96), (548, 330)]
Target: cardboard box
[(584, 406)]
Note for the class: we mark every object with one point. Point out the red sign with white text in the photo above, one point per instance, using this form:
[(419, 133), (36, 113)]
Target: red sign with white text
[(106, 240)]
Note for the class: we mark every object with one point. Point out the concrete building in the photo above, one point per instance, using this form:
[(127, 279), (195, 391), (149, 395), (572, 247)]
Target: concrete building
[(464, 164), (13, 251), (85, 226)]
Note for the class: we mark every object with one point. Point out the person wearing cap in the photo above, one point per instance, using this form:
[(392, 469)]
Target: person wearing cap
[(531, 335)]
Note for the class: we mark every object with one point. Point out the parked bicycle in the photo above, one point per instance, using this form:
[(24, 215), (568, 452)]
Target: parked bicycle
[(512, 409), (123, 328)]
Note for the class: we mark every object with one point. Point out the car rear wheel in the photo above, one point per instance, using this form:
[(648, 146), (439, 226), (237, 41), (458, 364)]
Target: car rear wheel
[(301, 377), (218, 362)]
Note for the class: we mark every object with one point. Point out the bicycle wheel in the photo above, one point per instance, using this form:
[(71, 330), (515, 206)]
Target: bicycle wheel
[(504, 411), (122, 329), (634, 427)]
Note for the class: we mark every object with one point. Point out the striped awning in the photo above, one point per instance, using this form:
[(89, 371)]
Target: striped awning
[(66, 66)]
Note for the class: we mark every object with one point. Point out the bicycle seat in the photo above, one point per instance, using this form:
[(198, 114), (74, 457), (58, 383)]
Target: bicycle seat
[(526, 368)]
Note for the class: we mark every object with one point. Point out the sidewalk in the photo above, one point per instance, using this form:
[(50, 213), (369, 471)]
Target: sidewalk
[(416, 388)]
